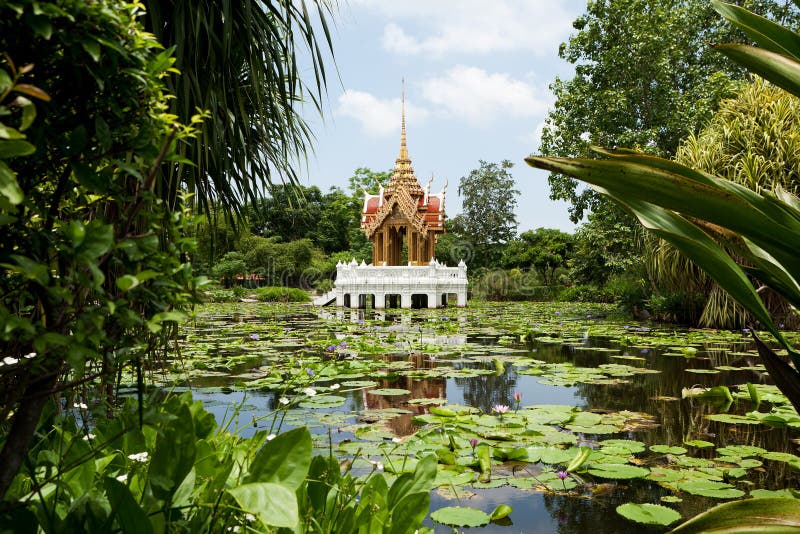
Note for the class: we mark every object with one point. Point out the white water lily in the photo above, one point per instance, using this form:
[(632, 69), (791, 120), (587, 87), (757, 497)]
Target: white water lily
[(336, 386), (284, 401), (310, 392)]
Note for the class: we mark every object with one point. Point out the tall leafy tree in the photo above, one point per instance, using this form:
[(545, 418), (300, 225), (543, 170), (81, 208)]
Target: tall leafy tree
[(644, 77), (488, 219), (239, 61), (545, 250)]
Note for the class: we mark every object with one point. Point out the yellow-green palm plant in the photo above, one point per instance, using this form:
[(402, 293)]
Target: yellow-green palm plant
[(754, 140), (695, 210)]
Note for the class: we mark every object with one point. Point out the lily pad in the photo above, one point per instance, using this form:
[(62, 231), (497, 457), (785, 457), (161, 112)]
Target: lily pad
[(649, 514), (710, 488), (460, 516), (618, 471)]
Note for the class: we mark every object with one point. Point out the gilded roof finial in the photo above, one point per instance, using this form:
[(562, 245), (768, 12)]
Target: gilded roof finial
[(403, 175), (403, 148)]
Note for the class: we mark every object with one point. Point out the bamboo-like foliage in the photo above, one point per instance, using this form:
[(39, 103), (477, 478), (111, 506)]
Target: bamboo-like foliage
[(754, 140), (241, 60)]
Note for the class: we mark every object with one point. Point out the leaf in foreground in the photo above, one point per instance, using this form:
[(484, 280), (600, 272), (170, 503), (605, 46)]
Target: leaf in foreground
[(750, 515)]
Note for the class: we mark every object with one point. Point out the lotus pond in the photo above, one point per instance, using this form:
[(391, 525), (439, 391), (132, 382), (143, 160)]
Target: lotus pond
[(571, 416)]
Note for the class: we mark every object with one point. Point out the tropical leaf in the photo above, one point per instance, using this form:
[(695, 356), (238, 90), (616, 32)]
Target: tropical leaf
[(750, 515), (764, 32)]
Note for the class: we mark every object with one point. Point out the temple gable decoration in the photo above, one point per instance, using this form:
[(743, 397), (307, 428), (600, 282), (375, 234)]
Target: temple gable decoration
[(403, 213)]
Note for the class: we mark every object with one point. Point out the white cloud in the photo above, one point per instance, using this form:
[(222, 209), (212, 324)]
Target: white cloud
[(378, 118), (534, 139), (474, 26), (479, 97)]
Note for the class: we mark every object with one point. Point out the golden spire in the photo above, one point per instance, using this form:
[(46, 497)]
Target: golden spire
[(403, 172), (403, 156)]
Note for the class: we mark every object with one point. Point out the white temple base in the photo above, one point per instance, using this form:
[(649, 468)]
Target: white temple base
[(426, 286)]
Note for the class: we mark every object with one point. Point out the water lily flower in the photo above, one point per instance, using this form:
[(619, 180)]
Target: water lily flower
[(284, 401), (310, 371), (254, 337), (517, 397), (310, 392), (473, 442), (330, 348), (343, 345), (335, 386), (139, 456), (501, 409), (562, 475)]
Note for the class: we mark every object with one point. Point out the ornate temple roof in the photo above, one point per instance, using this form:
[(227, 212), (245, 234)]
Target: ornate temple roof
[(405, 196)]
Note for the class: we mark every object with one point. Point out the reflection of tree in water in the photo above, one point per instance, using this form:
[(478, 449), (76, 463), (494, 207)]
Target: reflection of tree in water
[(486, 391)]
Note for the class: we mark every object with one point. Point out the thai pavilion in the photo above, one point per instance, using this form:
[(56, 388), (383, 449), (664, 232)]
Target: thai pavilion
[(403, 221)]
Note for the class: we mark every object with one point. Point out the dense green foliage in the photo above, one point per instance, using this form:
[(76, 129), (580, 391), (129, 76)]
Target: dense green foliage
[(488, 220), (179, 472), (92, 259), (644, 77)]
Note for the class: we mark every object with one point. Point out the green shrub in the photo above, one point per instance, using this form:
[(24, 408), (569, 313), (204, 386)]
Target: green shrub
[(282, 294)]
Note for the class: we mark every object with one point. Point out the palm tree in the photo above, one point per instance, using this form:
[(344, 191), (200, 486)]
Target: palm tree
[(240, 60)]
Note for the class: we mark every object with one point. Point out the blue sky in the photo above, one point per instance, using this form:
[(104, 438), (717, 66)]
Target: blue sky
[(477, 76)]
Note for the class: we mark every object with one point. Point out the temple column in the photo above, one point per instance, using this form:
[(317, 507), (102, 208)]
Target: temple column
[(380, 301), (432, 303), (405, 300)]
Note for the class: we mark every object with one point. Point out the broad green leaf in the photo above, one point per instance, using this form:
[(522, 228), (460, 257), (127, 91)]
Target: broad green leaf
[(127, 282), (648, 514), (728, 205), (15, 148), (766, 33), (130, 516), (283, 460), (174, 455), (780, 70), (460, 516), (618, 471), (500, 512), (409, 513), (273, 504), (9, 187), (770, 515), (710, 488), (7, 132), (580, 458)]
